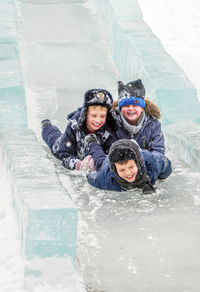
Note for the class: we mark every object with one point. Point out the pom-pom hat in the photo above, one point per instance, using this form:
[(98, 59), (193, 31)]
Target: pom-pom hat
[(131, 93)]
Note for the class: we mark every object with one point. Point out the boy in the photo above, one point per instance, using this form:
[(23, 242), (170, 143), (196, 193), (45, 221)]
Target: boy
[(95, 116), (126, 167), (139, 117)]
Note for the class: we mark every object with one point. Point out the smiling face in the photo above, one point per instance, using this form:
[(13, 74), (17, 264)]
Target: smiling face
[(96, 117), (127, 170), (132, 113)]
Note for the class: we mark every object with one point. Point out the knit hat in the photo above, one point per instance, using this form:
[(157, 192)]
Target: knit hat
[(98, 97), (131, 93)]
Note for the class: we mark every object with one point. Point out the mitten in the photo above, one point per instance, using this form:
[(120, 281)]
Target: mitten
[(85, 164), (89, 139), (148, 188)]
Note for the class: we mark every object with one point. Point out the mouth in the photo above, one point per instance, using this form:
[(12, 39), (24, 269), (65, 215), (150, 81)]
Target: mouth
[(129, 177), (131, 114), (97, 125)]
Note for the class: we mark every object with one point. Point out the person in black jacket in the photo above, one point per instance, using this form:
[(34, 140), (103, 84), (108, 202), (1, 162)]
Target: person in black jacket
[(126, 166), (95, 116)]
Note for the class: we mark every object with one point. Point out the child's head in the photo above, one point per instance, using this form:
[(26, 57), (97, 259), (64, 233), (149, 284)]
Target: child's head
[(127, 169), (125, 159), (96, 117), (97, 110), (131, 101)]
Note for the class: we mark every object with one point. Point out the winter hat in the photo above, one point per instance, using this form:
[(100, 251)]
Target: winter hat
[(123, 150), (98, 97), (131, 93)]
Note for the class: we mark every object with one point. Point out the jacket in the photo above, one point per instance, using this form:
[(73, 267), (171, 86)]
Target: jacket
[(155, 166), (150, 136), (69, 146)]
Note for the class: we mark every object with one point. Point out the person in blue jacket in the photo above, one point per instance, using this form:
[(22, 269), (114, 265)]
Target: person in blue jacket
[(138, 117), (126, 166), (95, 116)]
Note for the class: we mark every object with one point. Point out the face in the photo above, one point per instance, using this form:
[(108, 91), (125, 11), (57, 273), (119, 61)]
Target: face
[(131, 113), (96, 117), (127, 170)]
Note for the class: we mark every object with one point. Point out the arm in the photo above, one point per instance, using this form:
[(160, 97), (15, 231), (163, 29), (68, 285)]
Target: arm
[(104, 178), (157, 142), (156, 165), (97, 154), (65, 148)]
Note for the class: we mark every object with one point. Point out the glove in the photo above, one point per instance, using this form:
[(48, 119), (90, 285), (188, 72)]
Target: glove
[(89, 139), (148, 189), (85, 164)]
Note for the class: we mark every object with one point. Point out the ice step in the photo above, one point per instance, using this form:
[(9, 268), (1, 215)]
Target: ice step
[(46, 214)]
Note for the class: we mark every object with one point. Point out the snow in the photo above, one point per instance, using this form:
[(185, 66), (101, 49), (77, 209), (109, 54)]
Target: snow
[(177, 24)]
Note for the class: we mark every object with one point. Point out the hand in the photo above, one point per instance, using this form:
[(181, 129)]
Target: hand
[(89, 139), (148, 189), (85, 164)]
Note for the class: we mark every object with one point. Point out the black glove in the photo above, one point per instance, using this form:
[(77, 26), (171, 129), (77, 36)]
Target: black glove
[(89, 139), (148, 189)]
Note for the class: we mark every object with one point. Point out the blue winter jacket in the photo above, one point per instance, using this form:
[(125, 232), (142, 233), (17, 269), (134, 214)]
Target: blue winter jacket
[(69, 146), (155, 164), (150, 136)]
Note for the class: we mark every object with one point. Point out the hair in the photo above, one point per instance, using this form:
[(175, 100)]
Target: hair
[(95, 105), (125, 161)]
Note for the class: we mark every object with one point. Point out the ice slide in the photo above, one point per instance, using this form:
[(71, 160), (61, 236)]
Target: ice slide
[(125, 242)]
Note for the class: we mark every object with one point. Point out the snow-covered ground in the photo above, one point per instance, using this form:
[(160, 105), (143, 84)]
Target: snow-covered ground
[(177, 24)]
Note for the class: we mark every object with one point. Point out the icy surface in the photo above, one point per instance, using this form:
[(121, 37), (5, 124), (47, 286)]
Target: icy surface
[(12, 94), (126, 242), (139, 242), (46, 214)]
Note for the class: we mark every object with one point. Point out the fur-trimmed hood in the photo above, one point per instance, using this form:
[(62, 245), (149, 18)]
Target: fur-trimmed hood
[(151, 108)]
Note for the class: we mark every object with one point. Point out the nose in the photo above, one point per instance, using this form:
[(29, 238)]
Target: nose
[(131, 106), (128, 172)]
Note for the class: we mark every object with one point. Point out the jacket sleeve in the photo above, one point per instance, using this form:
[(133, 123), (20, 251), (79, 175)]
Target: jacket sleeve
[(157, 139), (97, 154), (65, 148), (104, 178), (157, 165)]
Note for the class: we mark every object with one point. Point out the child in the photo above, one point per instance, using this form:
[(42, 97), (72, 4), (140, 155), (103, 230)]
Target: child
[(95, 116), (139, 117), (126, 167)]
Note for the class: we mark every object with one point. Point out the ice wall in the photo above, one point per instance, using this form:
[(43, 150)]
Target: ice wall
[(138, 53), (46, 215), (12, 93), (45, 212)]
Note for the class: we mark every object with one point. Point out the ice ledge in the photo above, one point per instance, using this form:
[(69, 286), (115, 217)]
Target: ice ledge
[(46, 214), (183, 138)]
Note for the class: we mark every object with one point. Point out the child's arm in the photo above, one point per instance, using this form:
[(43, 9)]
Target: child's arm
[(157, 139), (93, 148), (104, 178), (65, 148), (97, 154)]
